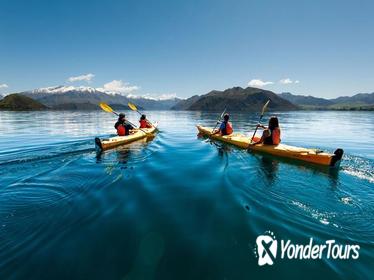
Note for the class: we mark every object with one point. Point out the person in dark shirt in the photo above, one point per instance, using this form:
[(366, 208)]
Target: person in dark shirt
[(122, 127)]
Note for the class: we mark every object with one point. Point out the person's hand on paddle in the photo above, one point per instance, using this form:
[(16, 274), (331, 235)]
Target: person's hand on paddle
[(215, 131)]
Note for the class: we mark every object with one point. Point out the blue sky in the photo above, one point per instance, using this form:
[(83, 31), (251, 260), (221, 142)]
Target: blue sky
[(324, 48)]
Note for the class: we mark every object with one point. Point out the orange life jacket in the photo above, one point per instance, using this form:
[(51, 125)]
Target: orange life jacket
[(229, 129), (144, 124), (121, 130), (275, 136)]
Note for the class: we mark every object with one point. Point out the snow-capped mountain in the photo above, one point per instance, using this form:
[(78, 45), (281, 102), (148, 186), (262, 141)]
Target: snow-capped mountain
[(62, 89), (70, 97)]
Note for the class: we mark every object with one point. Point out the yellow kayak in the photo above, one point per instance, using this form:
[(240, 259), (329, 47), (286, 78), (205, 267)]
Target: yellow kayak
[(136, 134), (309, 155)]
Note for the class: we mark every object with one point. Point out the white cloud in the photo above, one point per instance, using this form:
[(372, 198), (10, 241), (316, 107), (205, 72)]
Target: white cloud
[(3, 86), (167, 96), (258, 83), (164, 96), (288, 81), (118, 86), (86, 77)]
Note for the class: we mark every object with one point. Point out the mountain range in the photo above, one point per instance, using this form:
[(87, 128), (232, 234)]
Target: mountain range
[(234, 99), (88, 98), (252, 99), (360, 101)]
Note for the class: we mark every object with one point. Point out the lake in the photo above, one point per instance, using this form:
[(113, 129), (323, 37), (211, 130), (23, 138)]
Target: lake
[(179, 206)]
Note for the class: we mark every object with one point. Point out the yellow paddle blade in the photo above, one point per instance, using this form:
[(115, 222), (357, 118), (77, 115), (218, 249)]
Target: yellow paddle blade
[(265, 106), (106, 107), (132, 106)]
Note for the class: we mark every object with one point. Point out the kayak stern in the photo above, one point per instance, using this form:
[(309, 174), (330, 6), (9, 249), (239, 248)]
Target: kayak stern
[(98, 145), (336, 158)]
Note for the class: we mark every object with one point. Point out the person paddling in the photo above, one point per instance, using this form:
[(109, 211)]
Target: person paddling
[(143, 123), (225, 127), (271, 134), (122, 127)]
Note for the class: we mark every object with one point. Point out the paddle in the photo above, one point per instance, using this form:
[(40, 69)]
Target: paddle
[(133, 107), (259, 121), (220, 118), (109, 109)]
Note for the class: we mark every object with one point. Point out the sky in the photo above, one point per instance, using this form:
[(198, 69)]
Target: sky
[(173, 47)]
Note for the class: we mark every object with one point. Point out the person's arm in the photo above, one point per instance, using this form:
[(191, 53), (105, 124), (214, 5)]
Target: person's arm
[(262, 137), (128, 125), (216, 132), (148, 124), (259, 141), (220, 129)]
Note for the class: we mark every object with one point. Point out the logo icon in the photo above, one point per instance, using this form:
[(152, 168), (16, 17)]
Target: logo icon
[(266, 248)]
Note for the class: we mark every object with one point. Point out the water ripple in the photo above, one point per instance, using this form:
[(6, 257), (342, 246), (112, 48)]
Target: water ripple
[(64, 208)]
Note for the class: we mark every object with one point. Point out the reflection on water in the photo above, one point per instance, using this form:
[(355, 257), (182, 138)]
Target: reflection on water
[(270, 167), (178, 206)]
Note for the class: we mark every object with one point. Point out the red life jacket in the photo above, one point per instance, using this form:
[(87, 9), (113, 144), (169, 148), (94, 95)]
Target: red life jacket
[(121, 130), (144, 124), (275, 136), (229, 129)]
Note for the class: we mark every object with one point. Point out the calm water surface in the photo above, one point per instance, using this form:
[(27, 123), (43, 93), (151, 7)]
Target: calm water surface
[(178, 207)]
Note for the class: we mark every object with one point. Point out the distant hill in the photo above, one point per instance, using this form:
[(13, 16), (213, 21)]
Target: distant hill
[(186, 103), (236, 99), (305, 100), (88, 98), (18, 102), (361, 101)]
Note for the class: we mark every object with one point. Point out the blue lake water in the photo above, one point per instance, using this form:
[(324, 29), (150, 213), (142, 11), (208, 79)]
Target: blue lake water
[(178, 207)]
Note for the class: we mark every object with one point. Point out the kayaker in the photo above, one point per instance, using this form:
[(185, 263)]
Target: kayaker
[(225, 127), (144, 123), (271, 134), (122, 127)]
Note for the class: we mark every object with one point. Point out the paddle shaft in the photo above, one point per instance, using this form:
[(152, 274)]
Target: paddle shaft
[(220, 118), (134, 108), (259, 121)]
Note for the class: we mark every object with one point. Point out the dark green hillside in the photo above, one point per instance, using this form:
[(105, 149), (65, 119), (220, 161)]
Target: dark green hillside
[(18, 102), (236, 99)]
